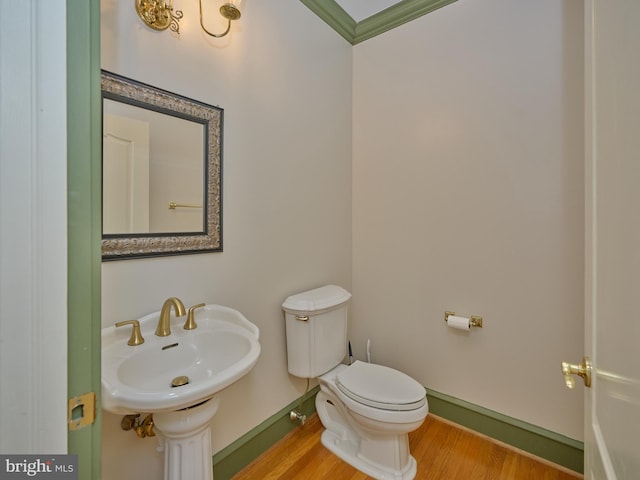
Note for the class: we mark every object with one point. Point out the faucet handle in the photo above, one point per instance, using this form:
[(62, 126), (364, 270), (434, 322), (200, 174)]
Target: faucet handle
[(136, 336), (190, 324)]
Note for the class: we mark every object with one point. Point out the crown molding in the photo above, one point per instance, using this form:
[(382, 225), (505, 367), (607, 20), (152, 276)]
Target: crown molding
[(355, 32), (334, 16)]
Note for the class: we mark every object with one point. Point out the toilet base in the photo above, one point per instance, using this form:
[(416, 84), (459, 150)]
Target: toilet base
[(381, 456), (347, 450)]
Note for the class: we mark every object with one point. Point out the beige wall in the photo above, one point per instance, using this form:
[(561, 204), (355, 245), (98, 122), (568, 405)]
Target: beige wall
[(284, 80), (468, 196)]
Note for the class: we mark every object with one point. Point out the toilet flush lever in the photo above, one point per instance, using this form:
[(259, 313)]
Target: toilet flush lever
[(582, 370), (302, 318)]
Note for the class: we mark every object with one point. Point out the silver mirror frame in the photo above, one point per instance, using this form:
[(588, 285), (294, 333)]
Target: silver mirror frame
[(126, 246)]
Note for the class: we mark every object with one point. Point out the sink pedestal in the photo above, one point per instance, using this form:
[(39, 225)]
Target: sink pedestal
[(187, 441)]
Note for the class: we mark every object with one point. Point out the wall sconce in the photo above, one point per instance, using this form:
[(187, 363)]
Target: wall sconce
[(159, 15)]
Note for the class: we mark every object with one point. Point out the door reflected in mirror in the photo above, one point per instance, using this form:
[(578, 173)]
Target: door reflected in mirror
[(161, 172)]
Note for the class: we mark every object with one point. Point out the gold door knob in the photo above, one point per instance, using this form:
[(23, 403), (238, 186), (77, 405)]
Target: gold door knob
[(582, 370)]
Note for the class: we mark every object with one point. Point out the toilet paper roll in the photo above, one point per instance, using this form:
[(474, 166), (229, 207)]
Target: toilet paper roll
[(461, 323)]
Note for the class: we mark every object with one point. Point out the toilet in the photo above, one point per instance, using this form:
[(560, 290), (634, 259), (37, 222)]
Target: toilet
[(367, 410)]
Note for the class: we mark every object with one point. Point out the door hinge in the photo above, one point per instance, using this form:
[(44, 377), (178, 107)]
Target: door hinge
[(82, 411)]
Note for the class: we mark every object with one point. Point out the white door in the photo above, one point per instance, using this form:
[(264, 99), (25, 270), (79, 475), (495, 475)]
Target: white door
[(612, 405), (125, 175)]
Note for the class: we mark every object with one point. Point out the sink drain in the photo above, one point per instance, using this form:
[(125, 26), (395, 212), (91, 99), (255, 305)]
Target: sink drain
[(180, 381)]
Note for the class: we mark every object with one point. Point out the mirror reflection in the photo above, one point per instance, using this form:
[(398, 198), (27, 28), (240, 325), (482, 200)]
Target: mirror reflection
[(153, 171), (162, 171)]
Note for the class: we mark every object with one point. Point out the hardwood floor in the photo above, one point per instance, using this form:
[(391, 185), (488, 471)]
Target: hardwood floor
[(443, 450)]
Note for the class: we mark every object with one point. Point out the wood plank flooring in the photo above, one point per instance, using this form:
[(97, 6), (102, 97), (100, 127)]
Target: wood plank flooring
[(443, 450)]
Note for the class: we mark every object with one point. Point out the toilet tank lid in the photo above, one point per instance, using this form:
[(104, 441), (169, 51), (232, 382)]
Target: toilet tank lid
[(316, 300)]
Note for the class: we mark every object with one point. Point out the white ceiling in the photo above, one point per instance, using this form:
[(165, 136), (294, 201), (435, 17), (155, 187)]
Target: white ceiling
[(361, 9)]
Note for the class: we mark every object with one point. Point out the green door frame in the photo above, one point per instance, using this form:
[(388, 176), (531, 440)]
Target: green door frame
[(84, 221)]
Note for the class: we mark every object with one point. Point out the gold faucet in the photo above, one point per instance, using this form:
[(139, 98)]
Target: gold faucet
[(136, 336), (190, 324), (164, 324)]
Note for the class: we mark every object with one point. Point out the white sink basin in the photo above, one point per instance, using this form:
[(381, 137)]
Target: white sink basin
[(138, 379)]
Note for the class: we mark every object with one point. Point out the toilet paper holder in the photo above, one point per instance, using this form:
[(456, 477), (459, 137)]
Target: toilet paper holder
[(474, 320)]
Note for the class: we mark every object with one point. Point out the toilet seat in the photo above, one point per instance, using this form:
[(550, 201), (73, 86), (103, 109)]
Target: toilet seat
[(380, 387)]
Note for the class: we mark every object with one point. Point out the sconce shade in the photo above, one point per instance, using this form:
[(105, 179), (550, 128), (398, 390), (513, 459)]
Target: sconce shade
[(231, 10)]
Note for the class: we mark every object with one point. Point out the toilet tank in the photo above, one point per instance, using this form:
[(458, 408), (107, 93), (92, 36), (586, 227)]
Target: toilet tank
[(316, 326)]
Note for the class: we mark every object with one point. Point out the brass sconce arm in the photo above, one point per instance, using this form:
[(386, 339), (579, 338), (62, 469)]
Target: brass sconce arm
[(228, 11)]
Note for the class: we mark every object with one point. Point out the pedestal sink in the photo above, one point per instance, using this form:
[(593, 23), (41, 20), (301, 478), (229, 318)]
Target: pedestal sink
[(142, 379)]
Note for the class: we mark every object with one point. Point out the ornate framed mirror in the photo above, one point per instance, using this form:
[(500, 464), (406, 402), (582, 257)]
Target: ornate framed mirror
[(161, 172)]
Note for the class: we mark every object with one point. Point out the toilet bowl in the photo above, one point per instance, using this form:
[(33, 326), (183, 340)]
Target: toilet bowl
[(367, 419), (367, 410)]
